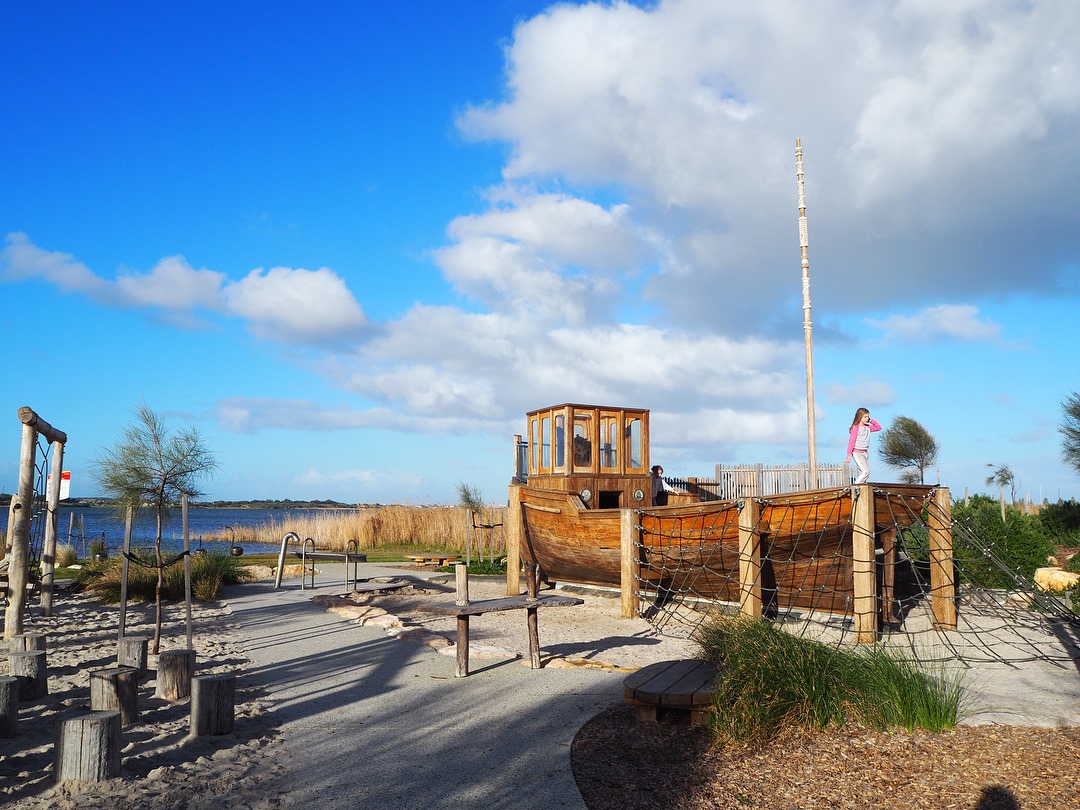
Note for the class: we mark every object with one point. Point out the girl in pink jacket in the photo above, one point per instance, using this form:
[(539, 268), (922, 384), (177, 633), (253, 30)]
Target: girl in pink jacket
[(858, 446)]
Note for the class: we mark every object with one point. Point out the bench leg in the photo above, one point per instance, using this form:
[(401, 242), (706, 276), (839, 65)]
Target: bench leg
[(647, 714), (462, 646), (534, 638)]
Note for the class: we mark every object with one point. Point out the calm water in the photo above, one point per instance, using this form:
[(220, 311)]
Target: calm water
[(92, 523)]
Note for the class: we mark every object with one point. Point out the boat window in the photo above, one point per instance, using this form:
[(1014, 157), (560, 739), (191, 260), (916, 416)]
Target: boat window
[(609, 442), (635, 460), (582, 440), (534, 448), (545, 442), (560, 441)]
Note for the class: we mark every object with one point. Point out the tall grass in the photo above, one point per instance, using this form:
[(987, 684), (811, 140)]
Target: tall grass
[(770, 682), (441, 528)]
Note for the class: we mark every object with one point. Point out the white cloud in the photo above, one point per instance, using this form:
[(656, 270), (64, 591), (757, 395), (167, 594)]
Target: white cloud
[(952, 322), (20, 259), (172, 284), (308, 306)]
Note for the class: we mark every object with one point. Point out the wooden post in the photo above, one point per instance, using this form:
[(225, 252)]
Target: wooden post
[(28, 641), (213, 700), (131, 652), (30, 668), (124, 575), (88, 747), (116, 690), (19, 535), (888, 576), (532, 585), (462, 646), (864, 579), (749, 559), (461, 580), (9, 706), (48, 552), (174, 673), (942, 564), (629, 564), (514, 528), (187, 565)]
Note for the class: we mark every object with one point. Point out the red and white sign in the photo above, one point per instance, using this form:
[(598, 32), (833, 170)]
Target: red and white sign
[(65, 484)]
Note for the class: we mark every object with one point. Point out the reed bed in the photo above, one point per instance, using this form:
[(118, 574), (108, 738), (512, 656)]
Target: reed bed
[(434, 528)]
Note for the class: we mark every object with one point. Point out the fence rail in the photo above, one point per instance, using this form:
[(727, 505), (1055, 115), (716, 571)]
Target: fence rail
[(751, 480)]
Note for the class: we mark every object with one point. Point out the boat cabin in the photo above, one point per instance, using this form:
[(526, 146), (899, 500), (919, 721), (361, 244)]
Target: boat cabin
[(599, 453)]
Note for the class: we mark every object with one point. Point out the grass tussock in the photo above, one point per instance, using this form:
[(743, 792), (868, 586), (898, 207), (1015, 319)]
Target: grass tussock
[(208, 573), (770, 682), (427, 528)]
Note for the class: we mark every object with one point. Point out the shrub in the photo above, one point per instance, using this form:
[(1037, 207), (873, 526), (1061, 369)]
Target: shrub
[(1021, 542), (1062, 521), (208, 573), (770, 681), (66, 555)]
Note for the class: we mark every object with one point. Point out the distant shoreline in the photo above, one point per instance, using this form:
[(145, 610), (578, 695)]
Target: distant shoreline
[(79, 503)]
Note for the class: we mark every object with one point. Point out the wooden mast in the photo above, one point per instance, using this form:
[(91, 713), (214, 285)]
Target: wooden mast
[(804, 245)]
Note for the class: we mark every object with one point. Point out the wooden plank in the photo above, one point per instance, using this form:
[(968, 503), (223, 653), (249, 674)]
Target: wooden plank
[(520, 602)]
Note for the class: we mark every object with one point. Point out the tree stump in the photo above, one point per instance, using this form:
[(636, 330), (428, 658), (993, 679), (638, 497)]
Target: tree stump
[(29, 667), (88, 747), (116, 690), (131, 652), (213, 700), (27, 641), (9, 706), (175, 668)]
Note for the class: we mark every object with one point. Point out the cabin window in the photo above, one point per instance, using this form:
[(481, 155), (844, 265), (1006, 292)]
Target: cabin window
[(609, 500), (609, 442), (534, 444), (560, 441), (635, 459), (545, 443), (582, 440)]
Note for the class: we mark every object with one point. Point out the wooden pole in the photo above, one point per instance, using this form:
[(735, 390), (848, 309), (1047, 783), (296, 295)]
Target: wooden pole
[(213, 704), (124, 574), (808, 338), (187, 564), (749, 560), (514, 529), (48, 553), (174, 673), (116, 690), (88, 748), (19, 534), (629, 565), (9, 706), (864, 578), (942, 564)]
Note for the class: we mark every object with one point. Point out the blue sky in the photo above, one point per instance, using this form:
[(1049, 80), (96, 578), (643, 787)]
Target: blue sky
[(352, 243)]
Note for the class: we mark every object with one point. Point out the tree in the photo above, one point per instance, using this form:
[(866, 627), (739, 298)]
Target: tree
[(905, 444), (1070, 431), (153, 468), (1002, 476)]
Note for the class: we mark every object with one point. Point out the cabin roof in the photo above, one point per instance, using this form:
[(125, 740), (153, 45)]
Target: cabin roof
[(587, 407)]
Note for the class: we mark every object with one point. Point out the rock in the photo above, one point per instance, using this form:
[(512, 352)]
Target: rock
[(1053, 578)]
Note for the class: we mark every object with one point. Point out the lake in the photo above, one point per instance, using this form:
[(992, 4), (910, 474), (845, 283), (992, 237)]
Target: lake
[(92, 523)]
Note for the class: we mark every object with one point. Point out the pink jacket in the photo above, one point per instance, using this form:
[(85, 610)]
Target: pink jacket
[(866, 430)]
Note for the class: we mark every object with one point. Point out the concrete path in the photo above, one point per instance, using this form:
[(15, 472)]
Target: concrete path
[(372, 721)]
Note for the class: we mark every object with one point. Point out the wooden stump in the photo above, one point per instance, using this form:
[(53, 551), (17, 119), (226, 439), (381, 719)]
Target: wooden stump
[(88, 747), (29, 667), (116, 690), (9, 706), (131, 652), (27, 641), (175, 668), (213, 700)]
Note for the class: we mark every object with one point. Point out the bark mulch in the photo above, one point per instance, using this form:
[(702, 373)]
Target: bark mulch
[(620, 765)]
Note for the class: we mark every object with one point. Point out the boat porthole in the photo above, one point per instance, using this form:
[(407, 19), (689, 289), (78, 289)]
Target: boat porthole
[(586, 494), (639, 495)]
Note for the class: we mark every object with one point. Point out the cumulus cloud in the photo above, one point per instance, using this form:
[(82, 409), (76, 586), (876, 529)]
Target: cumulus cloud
[(945, 322), (296, 305), (172, 284), (21, 260)]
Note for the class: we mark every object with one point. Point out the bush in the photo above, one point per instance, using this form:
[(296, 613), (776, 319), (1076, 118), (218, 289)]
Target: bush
[(208, 573), (770, 681), (66, 555), (1021, 542), (1062, 522)]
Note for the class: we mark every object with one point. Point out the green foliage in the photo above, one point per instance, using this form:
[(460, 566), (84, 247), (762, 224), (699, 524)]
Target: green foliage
[(469, 497), (97, 547), (208, 573), (481, 567), (1070, 431), (907, 444), (770, 681), (1062, 521), (1022, 541)]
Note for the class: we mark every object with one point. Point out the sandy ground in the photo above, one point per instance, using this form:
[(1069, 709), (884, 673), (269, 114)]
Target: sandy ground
[(163, 767)]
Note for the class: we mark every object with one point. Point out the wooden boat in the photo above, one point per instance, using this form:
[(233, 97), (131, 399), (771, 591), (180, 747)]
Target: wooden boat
[(583, 472)]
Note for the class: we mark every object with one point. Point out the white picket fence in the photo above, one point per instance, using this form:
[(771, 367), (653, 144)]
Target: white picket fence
[(749, 480)]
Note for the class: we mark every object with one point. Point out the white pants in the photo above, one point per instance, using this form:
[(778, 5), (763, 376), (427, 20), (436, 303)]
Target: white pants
[(862, 461)]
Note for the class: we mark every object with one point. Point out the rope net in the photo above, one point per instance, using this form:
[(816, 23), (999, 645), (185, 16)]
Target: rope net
[(690, 573)]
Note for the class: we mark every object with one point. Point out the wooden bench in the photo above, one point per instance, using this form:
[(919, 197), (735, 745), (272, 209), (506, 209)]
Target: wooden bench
[(440, 559), (672, 691)]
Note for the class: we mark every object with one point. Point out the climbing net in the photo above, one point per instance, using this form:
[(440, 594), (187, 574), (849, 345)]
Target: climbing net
[(690, 574)]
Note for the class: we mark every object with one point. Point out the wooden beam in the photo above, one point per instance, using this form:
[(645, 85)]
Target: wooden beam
[(515, 531), (942, 564), (629, 570), (749, 559), (864, 579)]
